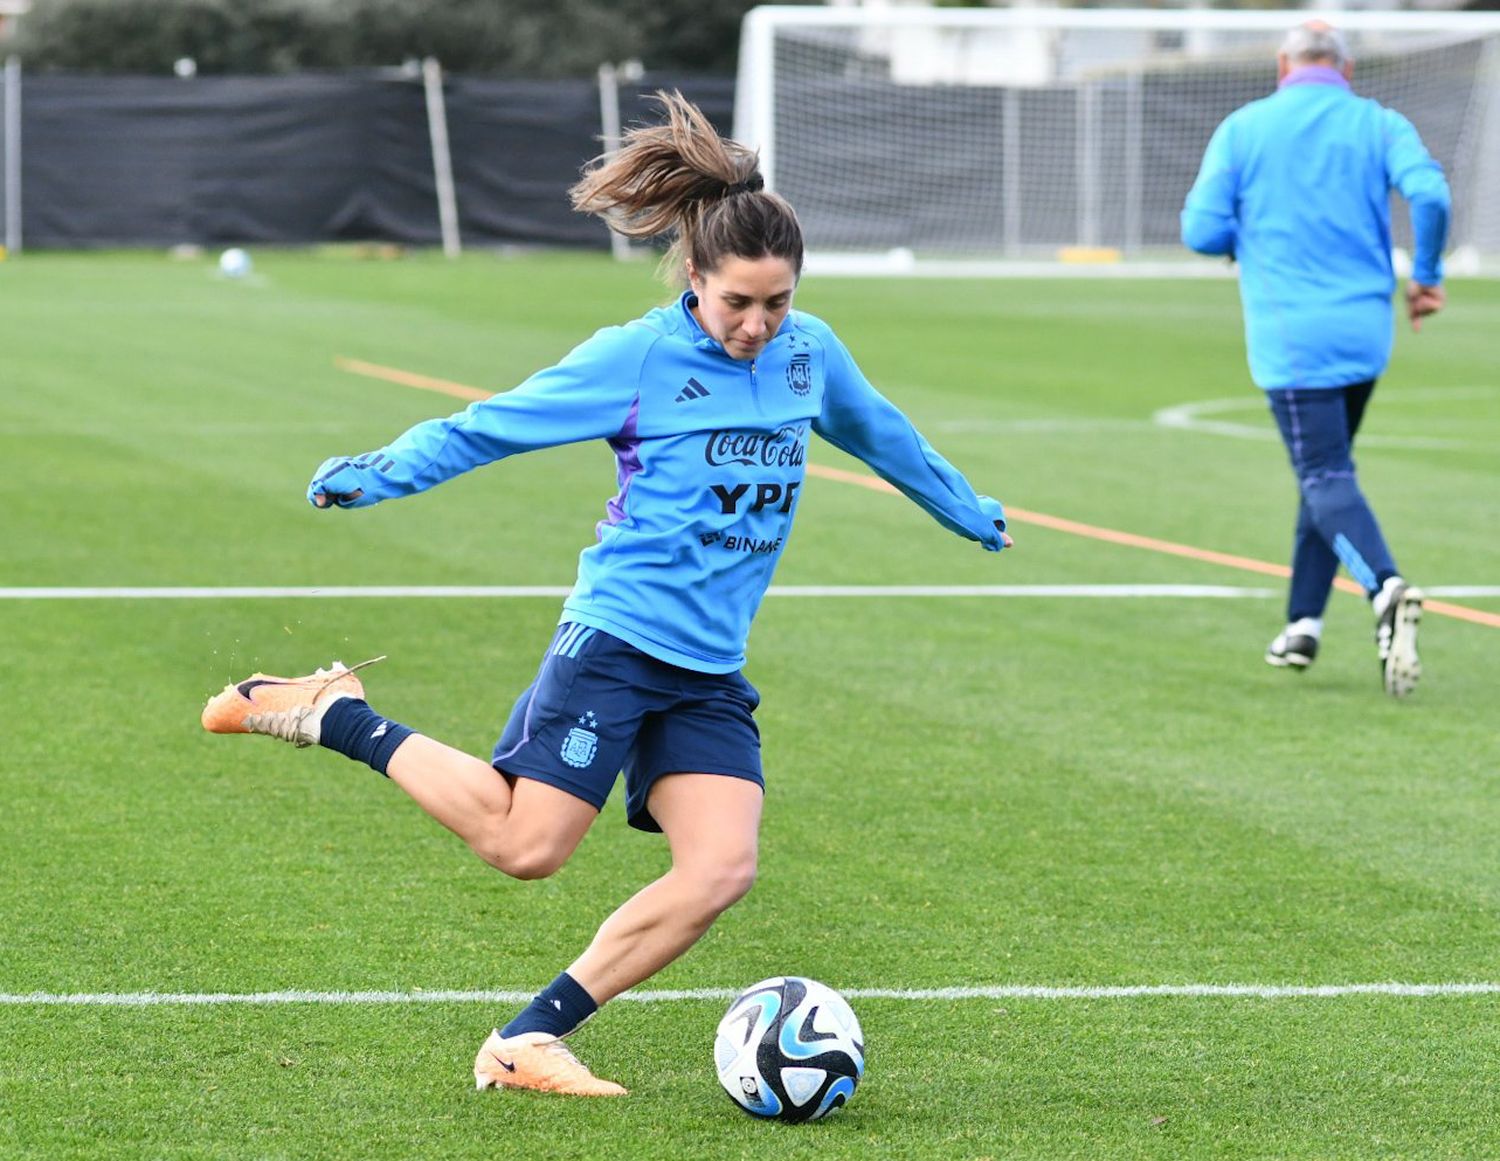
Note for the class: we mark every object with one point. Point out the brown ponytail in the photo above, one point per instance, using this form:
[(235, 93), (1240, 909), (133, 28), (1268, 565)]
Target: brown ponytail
[(683, 180)]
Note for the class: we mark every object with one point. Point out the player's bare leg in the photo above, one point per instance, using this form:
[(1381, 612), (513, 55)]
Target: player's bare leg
[(712, 824), (527, 830)]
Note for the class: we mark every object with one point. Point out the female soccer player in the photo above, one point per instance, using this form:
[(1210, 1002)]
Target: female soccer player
[(708, 404)]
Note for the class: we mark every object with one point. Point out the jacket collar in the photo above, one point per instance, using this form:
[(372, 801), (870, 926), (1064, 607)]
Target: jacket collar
[(1313, 75), (685, 303), (699, 337)]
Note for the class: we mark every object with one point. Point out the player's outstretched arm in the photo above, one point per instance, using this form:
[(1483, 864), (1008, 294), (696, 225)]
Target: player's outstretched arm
[(857, 419), (588, 395)]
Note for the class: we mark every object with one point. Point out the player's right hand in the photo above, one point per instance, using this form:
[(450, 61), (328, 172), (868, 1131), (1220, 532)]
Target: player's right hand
[(338, 483), (995, 512)]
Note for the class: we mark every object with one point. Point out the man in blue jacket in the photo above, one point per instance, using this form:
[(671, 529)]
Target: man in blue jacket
[(1296, 189)]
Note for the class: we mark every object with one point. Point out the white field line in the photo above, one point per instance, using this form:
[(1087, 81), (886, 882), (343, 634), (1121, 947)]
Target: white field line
[(507, 591), (277, 592), (1001, 992), (1194, 417), (343, 592)]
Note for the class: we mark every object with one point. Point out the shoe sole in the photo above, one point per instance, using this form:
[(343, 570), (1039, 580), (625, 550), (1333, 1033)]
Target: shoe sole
[(1403, 668), (1297, 661), (483, 1081)]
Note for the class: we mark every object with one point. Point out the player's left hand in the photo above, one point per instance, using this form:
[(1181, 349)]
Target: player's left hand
[(1422, 301)]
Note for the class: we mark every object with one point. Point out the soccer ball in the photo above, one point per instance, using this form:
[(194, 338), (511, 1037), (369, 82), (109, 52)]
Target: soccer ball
[(790, 1049), (234, 263)]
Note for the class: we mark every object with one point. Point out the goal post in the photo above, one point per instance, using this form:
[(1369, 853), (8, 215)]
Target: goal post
[(1026, 140)]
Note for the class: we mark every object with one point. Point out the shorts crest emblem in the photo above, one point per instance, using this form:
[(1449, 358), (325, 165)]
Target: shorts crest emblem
[(579, 747)]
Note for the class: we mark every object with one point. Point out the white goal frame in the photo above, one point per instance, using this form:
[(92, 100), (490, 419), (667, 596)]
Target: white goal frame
[(1473, 167)]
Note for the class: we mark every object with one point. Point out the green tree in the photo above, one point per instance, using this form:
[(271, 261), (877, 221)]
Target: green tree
[(147, 36), (532, 38), (523, 38)]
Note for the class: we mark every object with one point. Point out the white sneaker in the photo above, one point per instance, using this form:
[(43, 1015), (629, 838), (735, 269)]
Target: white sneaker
[(1296, 646)]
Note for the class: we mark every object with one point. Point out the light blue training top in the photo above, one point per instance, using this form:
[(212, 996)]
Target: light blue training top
[(711, 453), (1296, 188)]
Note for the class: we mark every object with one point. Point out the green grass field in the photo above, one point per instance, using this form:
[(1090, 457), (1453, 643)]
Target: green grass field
[(964, 792)]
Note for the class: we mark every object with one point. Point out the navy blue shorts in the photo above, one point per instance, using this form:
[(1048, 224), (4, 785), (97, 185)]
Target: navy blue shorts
[(600, 707)]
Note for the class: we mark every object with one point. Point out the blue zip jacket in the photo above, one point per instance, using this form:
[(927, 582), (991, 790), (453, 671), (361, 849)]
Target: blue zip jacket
[(1296, 188), (711, 453)]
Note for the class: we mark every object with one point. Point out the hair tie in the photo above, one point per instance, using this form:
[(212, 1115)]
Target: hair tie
[(748, 185)]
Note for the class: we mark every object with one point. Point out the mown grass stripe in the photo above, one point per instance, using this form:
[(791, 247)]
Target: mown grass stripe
[(341, 592)]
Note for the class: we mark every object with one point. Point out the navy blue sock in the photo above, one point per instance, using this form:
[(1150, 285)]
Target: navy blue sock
[(355, 730), (558, 1008)]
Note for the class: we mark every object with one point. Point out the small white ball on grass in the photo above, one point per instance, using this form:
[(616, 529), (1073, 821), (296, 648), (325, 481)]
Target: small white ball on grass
[(234, 263)]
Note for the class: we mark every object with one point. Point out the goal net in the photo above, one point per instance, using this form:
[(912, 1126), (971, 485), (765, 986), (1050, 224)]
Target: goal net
[(937, 139)]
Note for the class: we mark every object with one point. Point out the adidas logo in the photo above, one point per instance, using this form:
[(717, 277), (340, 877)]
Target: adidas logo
[(693, 390)]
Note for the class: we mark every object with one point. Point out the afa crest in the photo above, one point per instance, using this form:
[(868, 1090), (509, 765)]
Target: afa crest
[(579, 747), (799, 373)]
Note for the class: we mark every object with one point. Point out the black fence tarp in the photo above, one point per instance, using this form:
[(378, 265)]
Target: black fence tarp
[(149, 161)]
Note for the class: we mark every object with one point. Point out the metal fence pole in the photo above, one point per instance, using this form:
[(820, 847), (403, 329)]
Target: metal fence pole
[(1010, 172), (442, 162), (13, 154), (1134, 170), (1087, 161), (609, 120)]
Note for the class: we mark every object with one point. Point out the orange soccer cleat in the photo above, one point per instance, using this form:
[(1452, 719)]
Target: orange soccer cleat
[(289, 708), (538, 1061)]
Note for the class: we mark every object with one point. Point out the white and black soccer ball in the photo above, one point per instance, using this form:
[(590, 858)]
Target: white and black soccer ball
[(790, 1049)]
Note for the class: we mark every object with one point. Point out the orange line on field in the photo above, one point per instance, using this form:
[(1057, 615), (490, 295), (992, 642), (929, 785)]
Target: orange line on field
[(1462, 613), (410, 379), (1020, 515), (1131, 540)]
